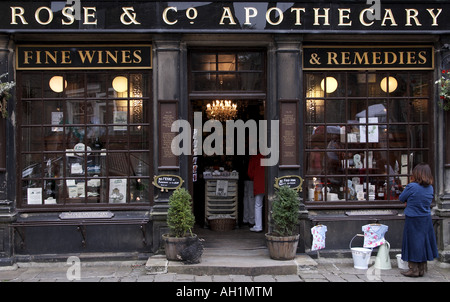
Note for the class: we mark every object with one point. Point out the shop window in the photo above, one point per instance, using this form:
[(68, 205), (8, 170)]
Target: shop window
[(85, 139), (227, 71), (364, 132)]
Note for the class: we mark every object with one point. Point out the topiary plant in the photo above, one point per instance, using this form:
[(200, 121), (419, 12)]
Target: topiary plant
[(285, 209), (180, 218)]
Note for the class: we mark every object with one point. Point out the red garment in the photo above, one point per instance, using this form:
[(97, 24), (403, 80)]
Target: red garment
[(256, 173)]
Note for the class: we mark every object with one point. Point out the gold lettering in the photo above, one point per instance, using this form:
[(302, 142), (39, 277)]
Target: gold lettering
[(343, 16), (422, 57), (360, 58), (86, 54), (54, 57), (38, 18), (345, 58), (386, 57), (401, 53), (412, 14), (65, 57), (389, 16), (361, 17), (376, 58), (69, 15), (126, 57), (332, 57), (137, 56), (100, 57), (227, 15), (324, 16), (165, 15), (411, 55), (297, 15), (17, 11), (89, 12), (28, 54), (434, 16), (38, 57), (112, 56)]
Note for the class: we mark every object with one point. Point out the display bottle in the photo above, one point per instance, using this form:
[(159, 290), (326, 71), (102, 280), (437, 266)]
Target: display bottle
[(381, 192), (318, 195)]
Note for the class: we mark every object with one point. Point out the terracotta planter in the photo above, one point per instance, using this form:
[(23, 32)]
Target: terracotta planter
[(174, 245), (282, 248)]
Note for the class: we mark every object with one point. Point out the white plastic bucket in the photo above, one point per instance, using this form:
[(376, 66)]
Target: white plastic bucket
[(360, 255), (401, 264)]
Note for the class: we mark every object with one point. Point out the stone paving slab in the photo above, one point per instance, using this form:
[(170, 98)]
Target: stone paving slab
[(323, 270)]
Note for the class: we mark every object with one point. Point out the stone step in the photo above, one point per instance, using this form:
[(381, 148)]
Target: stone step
[(225, 262)]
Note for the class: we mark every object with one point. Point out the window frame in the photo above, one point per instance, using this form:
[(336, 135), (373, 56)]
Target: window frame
[(146, 154), (307, 149)]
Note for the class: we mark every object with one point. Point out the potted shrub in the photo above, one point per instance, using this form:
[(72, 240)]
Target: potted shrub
[(180, 220), (283, 240)]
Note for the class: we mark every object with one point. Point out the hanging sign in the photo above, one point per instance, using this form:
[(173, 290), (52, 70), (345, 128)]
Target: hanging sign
[(334, 57), (168, 182), (292, 181), (57, 57)]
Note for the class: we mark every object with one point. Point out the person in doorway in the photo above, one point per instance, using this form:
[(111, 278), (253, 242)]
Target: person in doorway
[(256, 173), (419, 241)]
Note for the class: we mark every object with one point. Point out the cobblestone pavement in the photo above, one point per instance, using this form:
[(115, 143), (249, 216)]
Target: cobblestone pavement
[(326, 270)]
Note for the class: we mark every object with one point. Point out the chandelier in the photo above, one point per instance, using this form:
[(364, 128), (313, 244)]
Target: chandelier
[(221, 110)]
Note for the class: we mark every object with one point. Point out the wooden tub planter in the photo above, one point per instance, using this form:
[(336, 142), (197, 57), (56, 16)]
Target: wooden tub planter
[(282, 248)]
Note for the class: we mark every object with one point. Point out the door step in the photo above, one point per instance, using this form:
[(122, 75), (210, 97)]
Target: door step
[(252, 262)]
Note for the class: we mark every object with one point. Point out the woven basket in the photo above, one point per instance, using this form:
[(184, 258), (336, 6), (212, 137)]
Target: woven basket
[(222, 224)]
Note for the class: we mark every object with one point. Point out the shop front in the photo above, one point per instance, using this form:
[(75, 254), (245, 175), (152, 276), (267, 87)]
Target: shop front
[(117, 103)]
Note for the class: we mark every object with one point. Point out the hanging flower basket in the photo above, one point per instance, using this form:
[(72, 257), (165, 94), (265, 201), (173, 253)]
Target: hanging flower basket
[(5, 88), (444, 90)]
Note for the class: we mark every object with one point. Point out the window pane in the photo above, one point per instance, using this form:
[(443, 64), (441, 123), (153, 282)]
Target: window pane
[(335, 111), (203, 62), (398, 110), (139, 138), (419, 110), (315, 137), (227, 81), (315, 112), (31, 112), (203, 81), (250, 61), (31, 86), (97, 85), (314, 164), (118, 164), (32, 139), (419, 136), (357, 84), (251, 81), (75, 85), (420, 85), (226, 62)]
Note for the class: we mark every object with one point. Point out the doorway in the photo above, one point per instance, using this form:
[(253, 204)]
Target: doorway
[(229, 162)]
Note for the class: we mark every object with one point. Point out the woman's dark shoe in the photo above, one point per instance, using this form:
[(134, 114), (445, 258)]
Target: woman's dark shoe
[(413, 270), (423, 268)]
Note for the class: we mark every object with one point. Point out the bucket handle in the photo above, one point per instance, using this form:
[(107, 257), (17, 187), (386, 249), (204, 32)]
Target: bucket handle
[(360, 235)]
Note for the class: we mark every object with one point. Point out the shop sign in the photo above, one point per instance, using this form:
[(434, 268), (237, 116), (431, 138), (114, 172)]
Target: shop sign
[(292, 181), (57, 57), (251, 16), (168, 182), (368, 58)]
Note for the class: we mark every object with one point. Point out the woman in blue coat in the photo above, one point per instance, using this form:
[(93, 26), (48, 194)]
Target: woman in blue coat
[(419, 241)]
